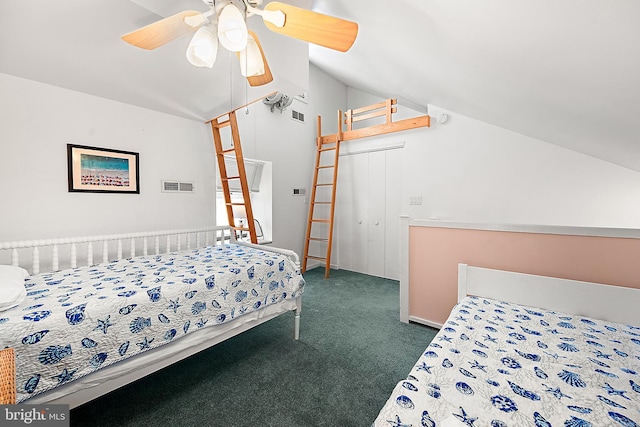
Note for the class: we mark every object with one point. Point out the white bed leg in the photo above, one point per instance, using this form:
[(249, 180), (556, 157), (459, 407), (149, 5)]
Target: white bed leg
[(296, 318), (296, 325)]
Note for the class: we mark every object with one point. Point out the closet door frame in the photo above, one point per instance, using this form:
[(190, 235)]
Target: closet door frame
[(368, 211)]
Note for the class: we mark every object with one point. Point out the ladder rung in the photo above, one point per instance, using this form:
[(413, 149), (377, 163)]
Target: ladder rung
[(315, 257), (324, 185), (318, 239), (230, 150), (235, 204), (230, 177), (327, 149), (321, 220), (321, 203), (325, 167), (241, 228)]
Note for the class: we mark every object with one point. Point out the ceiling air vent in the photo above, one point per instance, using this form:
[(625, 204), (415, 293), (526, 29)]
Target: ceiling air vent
[(297, 116), (177, 187)]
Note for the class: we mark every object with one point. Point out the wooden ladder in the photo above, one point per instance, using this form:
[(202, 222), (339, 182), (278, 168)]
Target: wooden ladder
[(326, 143), (234, 154), (325, 146)]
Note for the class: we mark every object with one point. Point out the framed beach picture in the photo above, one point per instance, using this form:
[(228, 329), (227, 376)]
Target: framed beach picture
[(100, 170)]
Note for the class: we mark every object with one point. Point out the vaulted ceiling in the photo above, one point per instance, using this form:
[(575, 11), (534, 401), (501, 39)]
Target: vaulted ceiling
[(76, 44), (564, 72)]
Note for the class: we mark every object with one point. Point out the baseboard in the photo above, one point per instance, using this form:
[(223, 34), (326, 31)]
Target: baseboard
[(315, 264), (425, 322)]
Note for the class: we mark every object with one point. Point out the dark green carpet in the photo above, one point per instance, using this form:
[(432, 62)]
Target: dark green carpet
[(352, 351)]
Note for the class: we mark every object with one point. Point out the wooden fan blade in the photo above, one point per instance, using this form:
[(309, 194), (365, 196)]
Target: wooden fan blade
[(264, 78), (161, 32), (314, 27)]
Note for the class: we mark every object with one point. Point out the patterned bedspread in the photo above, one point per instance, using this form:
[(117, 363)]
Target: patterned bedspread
[(74, 322), (497, 364)]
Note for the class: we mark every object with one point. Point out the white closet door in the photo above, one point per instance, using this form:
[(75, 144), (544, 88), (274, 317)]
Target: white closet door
[(368, 206), (351, 213), (376, 208), (344, 229)]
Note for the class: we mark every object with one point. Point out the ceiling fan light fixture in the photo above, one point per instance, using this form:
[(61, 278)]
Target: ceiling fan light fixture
[(203, 47), (232, 30), (251, 63)]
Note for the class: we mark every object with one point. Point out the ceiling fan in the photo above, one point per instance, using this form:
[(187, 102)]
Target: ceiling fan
[(225, 24)]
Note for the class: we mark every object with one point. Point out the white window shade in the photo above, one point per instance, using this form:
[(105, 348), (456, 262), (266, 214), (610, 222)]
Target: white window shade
[(254, 174)]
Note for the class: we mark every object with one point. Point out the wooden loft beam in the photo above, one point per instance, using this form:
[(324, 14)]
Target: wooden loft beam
[(406, 124), (382, 109)]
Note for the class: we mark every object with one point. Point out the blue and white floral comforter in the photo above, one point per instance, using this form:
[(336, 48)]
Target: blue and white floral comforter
[(497, 364), (74, 322)]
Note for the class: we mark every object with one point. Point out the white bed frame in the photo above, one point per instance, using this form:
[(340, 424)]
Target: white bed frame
[(611, 303), (119, 374)]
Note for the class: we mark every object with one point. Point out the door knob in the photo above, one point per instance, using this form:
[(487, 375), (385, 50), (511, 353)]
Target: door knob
[(376, 223)]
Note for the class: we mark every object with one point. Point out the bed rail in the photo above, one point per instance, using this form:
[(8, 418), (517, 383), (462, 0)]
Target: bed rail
[(294, 256), (162, 242)]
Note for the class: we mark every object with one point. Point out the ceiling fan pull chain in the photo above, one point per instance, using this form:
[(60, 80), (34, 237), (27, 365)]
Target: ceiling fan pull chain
[(246, 86)]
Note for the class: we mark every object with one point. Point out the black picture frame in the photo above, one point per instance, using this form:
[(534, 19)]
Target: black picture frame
[(102, 170)]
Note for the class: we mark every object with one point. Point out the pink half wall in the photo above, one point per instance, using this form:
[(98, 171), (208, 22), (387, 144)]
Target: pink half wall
[(434, 254)]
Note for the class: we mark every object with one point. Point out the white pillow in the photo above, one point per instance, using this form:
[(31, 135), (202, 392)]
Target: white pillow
[(12, 290)]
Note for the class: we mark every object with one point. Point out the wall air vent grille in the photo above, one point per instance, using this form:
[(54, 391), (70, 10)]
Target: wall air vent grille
[(186, 186), (297, 116), (177, 187)]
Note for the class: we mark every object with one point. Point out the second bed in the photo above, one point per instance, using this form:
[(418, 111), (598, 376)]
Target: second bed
[(503, 363)]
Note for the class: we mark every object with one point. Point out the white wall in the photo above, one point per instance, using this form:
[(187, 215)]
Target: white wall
[(41, 119), (467, 170), (290, 146), (464, 169), (38, 120)]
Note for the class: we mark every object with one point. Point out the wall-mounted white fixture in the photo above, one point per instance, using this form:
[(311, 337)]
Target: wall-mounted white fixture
[(303, 97), (442, 118), (278, 100)]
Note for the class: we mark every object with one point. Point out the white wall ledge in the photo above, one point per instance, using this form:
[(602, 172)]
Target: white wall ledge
[(628, 233)]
